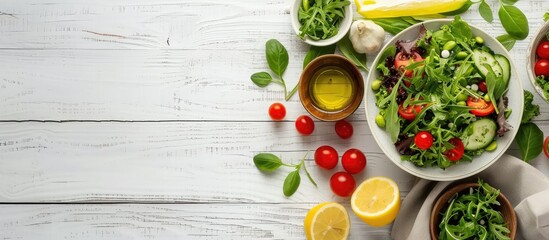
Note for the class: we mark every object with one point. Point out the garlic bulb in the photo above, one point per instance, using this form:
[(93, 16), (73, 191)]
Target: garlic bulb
[(366, 36)]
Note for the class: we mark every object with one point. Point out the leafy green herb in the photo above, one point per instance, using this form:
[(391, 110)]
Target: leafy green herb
[(507, 41), (546, 16), (269, 162), (494, 85), (316, 51), (392, 25), (473, 215), (461, 10), (485, 11), (514, 21), (529, 138), (277, 58), (391, 114), (321, 19), (530, 110), (509, 2), (346, 47), (389, 51)]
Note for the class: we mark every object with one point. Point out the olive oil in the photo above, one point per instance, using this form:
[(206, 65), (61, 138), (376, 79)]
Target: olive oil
[(332, 88)]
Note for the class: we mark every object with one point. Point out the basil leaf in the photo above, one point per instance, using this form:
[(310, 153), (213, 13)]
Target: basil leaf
[(392, 25), (530, 141), (507, 41), (509, 2), (267, 162), (261, 79), (291, 183), (514, 21), (346, 47), (277, 56), (485, 11), (315, 52)]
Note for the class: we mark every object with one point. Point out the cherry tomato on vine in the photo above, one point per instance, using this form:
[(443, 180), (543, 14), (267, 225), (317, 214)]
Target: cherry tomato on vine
[(543, 50), (542, 68), (326, 157), (479, 107), (344, 129), (545, 146), (456, 153), (402, 61), (423, 140), (409, 113), (482, 86), (305, 125), (342, 184), (353, 161), (277, 111)]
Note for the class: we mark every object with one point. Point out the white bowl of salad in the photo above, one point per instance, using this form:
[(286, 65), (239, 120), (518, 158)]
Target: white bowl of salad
[(458, 100)]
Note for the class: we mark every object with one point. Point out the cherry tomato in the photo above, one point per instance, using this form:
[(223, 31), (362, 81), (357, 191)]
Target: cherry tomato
[(542, 68), (326, 157), (455, 153), (402, 62), (342, 184), (482, 86), (423, 140), (277, 111), (305, 125), (353, 161), (479, 107), (545, 146), (344, 129), (409, 113), (543, 50)]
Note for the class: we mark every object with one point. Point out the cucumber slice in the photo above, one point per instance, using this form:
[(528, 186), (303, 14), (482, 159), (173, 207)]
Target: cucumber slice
[(479, 134), (481, 58), (505, 67)]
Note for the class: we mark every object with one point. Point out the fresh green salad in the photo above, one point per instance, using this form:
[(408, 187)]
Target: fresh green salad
[(320, 19), (474, 215), (441, 97)]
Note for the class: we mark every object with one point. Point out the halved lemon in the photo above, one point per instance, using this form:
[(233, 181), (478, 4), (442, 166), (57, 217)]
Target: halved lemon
[(376, 201), (327, 221)]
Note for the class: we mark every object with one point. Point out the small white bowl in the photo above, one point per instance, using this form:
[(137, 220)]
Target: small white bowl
[(532, 57), (344, 26)]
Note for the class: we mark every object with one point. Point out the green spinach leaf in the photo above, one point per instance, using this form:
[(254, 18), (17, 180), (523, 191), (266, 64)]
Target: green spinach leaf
[(507, 41), (392, 25), (277, 56), (291, 183), (530, 141), (514, 21), (485, 11), (261, 79), (316, 51), (346, 48)]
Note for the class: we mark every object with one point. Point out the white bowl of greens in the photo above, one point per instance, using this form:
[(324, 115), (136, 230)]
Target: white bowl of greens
[(441, 120)]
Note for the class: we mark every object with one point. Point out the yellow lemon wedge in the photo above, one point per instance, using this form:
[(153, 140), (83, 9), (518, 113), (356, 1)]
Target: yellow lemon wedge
[(327, 221), (399, 8), (376, 201)]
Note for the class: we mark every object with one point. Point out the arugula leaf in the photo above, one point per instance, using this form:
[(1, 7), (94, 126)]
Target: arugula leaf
[(514, 21), (346, 47), (529, 138), (392, 25), (261, 79), (267, 162), (277, 56), (485, 11), (391, 114), (316, 51), (291, 183), (507, 41)]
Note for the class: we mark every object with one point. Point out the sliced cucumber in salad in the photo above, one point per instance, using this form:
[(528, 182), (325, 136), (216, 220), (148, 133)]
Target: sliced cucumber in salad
[(505, 66), (479, 134), (481, 58)]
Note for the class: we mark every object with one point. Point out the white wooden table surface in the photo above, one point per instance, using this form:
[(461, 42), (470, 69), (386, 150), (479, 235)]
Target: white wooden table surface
[(136, 119)]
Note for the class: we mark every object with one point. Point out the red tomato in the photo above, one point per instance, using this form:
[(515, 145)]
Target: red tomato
[(326, 157), (353, 161), (277, 111), (305, 125), (543, 50), (344, 129), (482, 86), (423, 140), (542, 68), (479, 107), (455, 153), (545, 146), (410, 112), (402, 62), (342, 184)]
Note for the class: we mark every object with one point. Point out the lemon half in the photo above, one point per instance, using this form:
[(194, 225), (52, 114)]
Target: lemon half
[(327, 221), (376, 201)]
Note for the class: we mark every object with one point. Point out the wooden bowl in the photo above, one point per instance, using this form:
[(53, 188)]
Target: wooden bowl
[(306, 78), (442, 202)]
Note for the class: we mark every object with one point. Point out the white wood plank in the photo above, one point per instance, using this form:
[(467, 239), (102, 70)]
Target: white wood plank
[(167, 221), (169, 162)]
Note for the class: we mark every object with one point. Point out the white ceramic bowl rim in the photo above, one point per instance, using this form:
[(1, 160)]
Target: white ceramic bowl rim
[(531, 58), (463, 169)]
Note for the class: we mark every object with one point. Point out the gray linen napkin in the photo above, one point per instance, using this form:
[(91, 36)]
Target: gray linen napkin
[(525, 187)]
